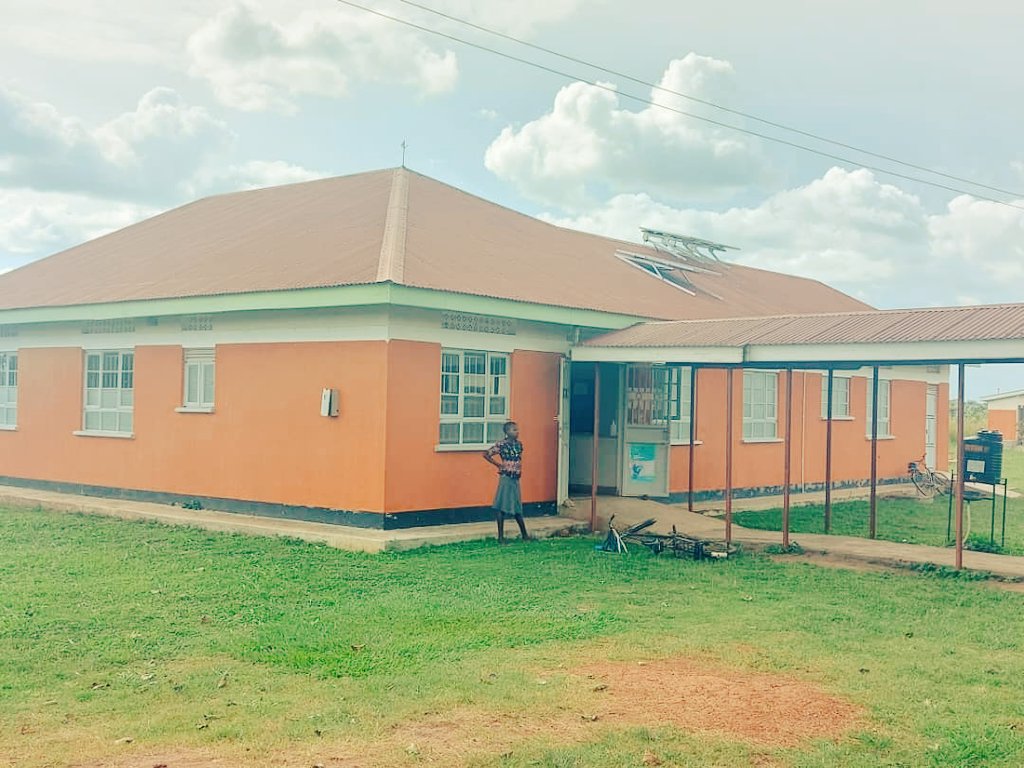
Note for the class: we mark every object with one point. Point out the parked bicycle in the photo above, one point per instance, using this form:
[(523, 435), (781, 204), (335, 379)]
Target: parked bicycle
[(928, 482)]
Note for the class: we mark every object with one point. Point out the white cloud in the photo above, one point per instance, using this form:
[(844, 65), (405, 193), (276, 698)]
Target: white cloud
[(588, 143), (848, 229), (33, 223), (986, 237), (144, 154), (255, 63)]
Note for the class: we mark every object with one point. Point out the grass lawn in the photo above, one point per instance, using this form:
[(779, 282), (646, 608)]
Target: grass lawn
[(908, 519), (272, 652)]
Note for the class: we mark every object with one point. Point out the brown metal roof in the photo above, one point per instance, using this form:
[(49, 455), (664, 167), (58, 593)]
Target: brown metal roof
[(388, 226), (975, 323)]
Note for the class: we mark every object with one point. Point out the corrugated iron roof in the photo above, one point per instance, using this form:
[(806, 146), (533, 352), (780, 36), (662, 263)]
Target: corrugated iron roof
[(331, 232), (973, 323)]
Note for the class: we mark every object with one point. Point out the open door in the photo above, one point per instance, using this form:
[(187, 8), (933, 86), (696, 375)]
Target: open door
[(646, 439), (564, 399)]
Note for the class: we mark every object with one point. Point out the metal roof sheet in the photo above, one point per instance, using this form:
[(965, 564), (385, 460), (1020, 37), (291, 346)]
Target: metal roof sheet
[(973, 323)]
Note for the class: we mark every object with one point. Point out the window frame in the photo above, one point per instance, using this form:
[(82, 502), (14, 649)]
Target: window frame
[(119, 409), (884, 405), (750, 420), (836, 416), (201, 358), (680, 396), (495, 385), (7, 376)]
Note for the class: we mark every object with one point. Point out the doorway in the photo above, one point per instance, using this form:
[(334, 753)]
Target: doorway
[(582, 429)]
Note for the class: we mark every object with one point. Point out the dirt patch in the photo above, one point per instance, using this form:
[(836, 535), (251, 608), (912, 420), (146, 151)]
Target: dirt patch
[(769, 710)]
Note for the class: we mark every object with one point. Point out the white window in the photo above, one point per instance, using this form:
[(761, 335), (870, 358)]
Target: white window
[(8, 389), (760, 405), (199, 379), (679, 398), (840, 397), (109, 392), (474, 397), (883, 409)]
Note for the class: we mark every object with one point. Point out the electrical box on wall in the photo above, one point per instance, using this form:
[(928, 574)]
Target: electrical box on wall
[(329, 402)]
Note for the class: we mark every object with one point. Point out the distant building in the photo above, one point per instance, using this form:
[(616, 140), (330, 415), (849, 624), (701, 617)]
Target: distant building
[(1006, 414)]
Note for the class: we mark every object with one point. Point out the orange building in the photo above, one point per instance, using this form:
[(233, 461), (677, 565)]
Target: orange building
[(1006, 414), (343, 350)]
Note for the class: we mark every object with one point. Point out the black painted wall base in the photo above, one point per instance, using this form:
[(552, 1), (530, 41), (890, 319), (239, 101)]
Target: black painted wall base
[(286, 511)]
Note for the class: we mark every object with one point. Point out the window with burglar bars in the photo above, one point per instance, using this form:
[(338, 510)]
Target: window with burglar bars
[(199, 379), (109, 392), (883, 409), (760, 405), (8, 389), (474, 397), (840, 397), (679, 394), (647, 396)]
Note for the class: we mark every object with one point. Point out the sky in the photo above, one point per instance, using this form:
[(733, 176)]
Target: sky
[(111, 112)]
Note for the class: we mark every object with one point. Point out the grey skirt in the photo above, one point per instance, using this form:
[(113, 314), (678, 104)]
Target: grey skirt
[(508, 500)]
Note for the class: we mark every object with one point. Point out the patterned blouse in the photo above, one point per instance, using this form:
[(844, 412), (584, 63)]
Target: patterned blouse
[(511, 453)]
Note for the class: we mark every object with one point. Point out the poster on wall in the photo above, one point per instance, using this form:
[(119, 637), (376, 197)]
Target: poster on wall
[(642, 464)]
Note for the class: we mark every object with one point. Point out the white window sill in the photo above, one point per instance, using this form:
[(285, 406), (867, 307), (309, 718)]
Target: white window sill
[(115, 435), (194, 409), (8, 429), (881, 437), (686, 443), (460, 448), (839, 418), (760, 440)]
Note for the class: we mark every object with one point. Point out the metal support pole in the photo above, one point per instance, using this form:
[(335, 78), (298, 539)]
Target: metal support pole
[(960, 467), (728, 457), (693, 434), (828, 453), (788, 461), (595, 454), (872, 518)]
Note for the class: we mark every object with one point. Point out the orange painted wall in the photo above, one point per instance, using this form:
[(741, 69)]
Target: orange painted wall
[(266, 441), (761, 464), (419, 477), (1005, 422)]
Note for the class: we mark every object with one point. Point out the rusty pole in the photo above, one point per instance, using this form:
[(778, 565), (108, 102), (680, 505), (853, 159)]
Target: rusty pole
[(960, 467), (693, 433), (872, 518), (594, 452), (788, 462), (728, 457), (828, 453)]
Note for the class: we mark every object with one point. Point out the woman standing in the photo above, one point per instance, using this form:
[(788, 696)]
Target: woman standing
[(507, 456)]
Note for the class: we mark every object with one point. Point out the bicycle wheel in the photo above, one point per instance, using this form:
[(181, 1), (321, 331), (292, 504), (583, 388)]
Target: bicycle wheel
[(942, 483), (923, 481)]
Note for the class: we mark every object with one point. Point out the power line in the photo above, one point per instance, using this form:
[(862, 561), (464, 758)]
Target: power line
[(705, 102), (649, 102)]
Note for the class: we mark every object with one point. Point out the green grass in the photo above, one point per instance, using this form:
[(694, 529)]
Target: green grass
[(908, 519), (171, 636)]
